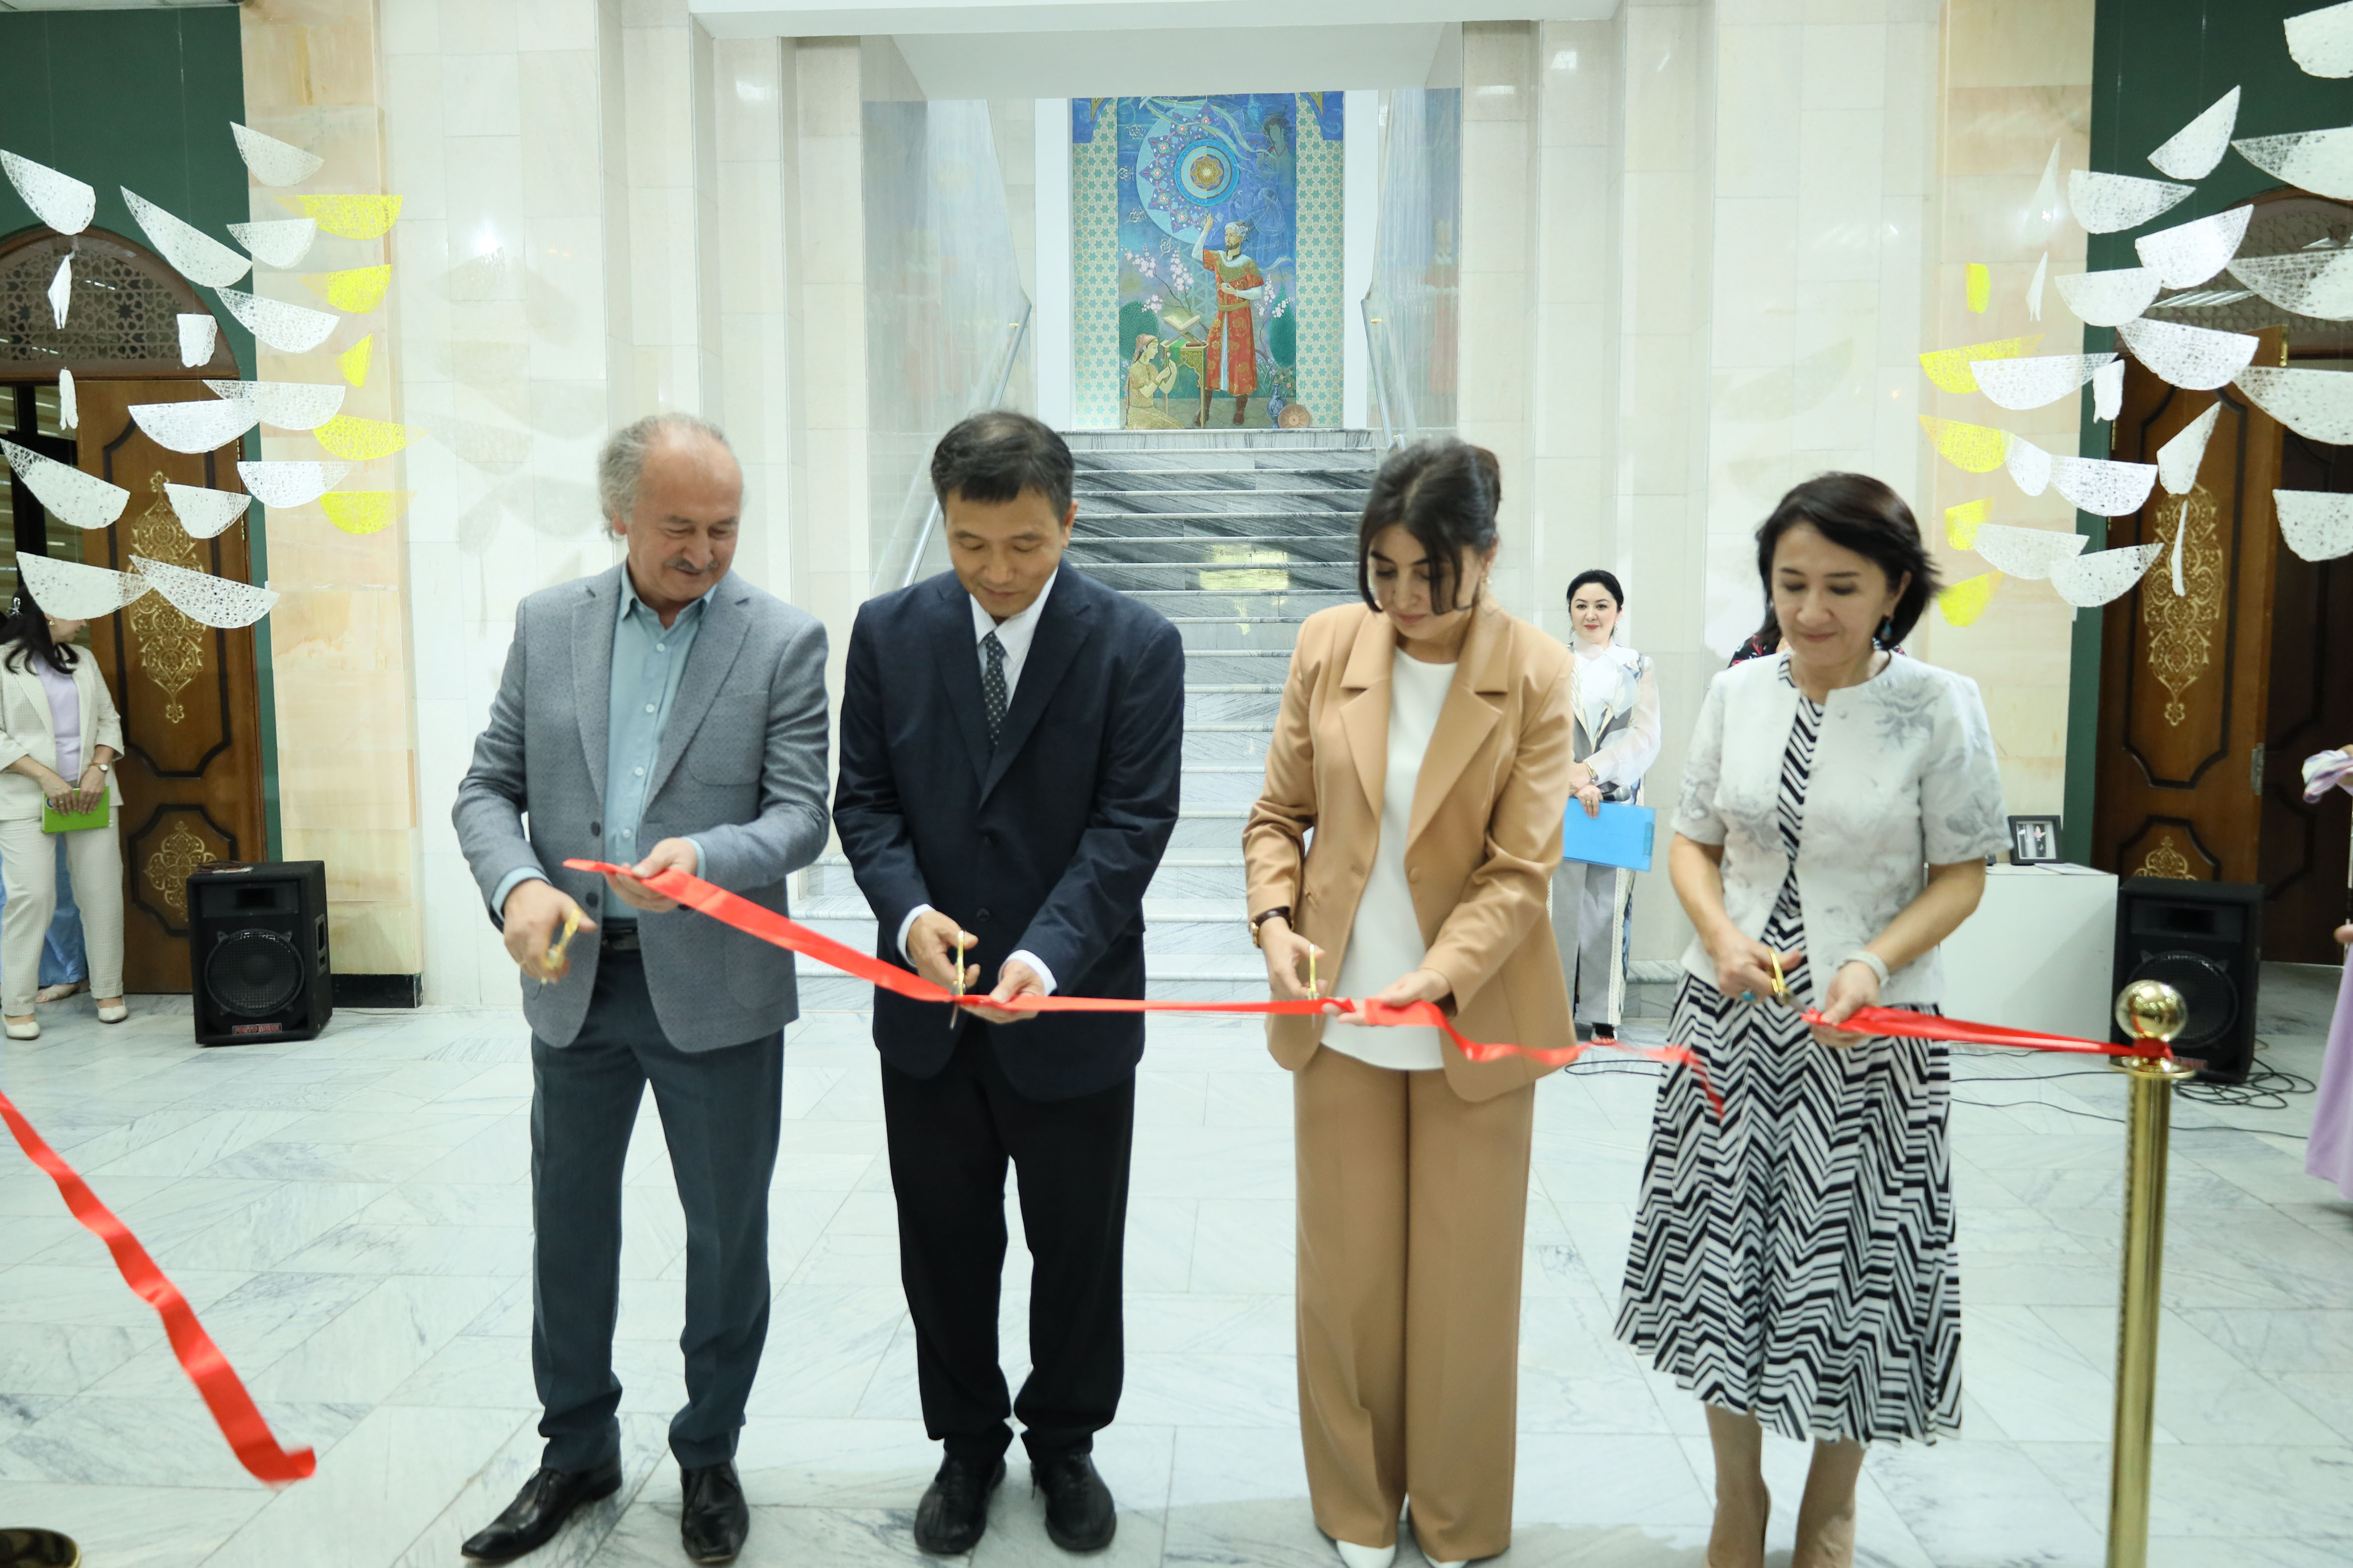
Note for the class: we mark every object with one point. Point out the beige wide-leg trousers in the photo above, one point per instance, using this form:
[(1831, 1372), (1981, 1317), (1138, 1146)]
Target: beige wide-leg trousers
[(28, 868), (1412, 1206)]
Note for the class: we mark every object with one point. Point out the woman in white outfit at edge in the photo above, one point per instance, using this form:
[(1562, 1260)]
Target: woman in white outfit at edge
[(1615, 700), (60, 736)]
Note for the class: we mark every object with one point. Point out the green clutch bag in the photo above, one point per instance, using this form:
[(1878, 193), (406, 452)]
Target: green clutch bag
[(54, 821)]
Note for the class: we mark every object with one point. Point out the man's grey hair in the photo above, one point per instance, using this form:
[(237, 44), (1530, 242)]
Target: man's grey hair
[(622, 464)]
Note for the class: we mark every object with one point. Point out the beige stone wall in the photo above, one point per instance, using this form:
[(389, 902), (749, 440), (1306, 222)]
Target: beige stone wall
[(341, 654)]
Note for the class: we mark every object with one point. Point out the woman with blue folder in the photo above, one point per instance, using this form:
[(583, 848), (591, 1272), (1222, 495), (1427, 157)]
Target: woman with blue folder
[(1615, 700)]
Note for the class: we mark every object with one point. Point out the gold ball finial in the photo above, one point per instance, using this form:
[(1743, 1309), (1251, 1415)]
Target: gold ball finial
[(2151, 1010)]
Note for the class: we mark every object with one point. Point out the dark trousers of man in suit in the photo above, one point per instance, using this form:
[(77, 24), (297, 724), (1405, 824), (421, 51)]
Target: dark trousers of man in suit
[(726, 1101), (951, 1136)]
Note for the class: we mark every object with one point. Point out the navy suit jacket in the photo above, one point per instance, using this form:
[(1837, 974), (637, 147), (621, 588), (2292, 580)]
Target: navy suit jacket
[(1043, 842)]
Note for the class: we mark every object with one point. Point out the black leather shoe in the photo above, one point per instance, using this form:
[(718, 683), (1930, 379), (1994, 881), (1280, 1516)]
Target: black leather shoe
[(1079, 1513), (538, 1510), (955, 1509), (714, 1521)]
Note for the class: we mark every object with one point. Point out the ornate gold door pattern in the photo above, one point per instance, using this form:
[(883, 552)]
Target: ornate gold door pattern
[(171, 648)]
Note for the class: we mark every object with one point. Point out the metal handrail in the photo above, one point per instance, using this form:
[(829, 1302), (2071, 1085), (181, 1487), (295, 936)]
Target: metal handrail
[(995, 398), (1375, 343)]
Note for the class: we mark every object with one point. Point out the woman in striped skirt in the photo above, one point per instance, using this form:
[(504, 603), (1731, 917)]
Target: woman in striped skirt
[(1793, 1261)]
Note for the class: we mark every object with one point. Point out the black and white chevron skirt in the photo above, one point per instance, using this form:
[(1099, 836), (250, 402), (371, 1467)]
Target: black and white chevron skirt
[(1795, 1259)]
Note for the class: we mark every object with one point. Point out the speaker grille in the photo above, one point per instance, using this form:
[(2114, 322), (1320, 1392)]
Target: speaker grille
[(253, 973), (2206, 990)]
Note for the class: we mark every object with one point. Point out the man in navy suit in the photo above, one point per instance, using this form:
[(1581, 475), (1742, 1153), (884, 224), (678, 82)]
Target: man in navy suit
[(1010, 743)]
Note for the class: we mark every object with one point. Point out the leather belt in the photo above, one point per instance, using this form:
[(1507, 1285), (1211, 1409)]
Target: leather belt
[(621, 939)]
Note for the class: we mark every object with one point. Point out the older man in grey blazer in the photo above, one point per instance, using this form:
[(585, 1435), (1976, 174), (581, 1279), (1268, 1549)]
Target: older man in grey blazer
[(661, 714)]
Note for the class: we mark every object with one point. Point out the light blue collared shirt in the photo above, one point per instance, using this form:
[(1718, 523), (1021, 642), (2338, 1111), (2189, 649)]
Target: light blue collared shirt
[(649, 662)]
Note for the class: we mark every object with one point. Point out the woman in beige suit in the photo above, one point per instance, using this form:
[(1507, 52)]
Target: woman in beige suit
[(1424, 740), (60, 736)]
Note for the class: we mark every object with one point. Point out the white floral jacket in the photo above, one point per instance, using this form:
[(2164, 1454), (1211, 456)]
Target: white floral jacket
[(1903, 778)]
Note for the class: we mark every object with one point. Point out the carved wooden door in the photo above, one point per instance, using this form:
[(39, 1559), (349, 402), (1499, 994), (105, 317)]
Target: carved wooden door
[(2185, 678), (188, 693), (2306, 848)]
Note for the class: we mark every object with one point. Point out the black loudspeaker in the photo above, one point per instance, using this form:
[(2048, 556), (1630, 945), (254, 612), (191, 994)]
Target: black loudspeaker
[(2205, 939), (257, 952)]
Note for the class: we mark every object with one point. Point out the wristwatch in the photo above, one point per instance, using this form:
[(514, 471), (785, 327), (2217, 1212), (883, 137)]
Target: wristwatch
[(1258, 939)]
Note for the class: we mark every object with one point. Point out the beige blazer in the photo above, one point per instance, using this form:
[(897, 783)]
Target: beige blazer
[(1486, 834), (25, 729)]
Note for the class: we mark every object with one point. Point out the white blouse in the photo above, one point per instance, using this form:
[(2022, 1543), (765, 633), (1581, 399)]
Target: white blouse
[(1903, 778), (1385, 944), (1611, 681)]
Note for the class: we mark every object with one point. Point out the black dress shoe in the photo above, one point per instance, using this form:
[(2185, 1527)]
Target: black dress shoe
[(955, 1509), (1079, 1513), (538, 1510), (714, 1521)]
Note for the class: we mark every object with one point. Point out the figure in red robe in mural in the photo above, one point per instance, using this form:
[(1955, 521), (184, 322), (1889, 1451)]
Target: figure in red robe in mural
[(1230, 363)]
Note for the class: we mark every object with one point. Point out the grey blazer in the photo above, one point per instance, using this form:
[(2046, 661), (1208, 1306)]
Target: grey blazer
[(741, 770)]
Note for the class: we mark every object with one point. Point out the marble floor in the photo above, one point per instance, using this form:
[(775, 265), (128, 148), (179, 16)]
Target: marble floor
[(350, 1217)]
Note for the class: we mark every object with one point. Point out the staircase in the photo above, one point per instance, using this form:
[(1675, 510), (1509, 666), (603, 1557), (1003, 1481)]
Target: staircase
[(1236, 537)]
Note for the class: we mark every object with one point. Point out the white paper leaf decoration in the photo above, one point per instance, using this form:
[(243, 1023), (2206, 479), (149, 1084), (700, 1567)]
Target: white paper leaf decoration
[(2106, 203), (2042, 214), (197, 256), (83, 499), (2322, 41), (61, 289), (203, 425), (69, 405), (202, 512), (2102, 487), (2193, 150), (198, 333), (2090, 580), (2180, 532), (2032, 382), (2308, 283), (206, 599), (2192, 358), (2027, 464), (2108, 299), (2320, 162), (2026, 551), (62, 202), (273, 163), (287, 404), (290, 484), (288, 328), (281, 242), (73, 592), (2316, 524), (2108, 389), (2178, 460), (2189, 253), (2317, 404), (2034, 287)]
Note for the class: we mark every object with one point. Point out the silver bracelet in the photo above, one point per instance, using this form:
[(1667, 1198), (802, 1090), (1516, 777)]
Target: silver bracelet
[(1870, 960)]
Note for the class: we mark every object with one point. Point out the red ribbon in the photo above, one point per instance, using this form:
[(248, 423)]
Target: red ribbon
[(1910, 1026), (232, 1407), (753, 920)]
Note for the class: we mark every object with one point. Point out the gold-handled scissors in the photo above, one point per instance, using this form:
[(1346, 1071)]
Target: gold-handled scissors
[(956, 1008), (1780, 984), (556, 963), (1315, 990)]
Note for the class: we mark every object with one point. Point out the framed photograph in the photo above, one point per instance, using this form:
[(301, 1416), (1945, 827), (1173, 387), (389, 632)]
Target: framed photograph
[(2033, 840)]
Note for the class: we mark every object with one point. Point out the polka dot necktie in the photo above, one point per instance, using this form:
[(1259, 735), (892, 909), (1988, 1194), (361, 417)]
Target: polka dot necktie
[(992, 684)]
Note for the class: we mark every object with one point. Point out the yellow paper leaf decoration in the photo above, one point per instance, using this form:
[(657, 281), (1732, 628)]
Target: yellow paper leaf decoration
[(364, 511), (1962, 603), (1949, 368), (347, 217), (357, 440), (354, 291), (354, 361), (1980, 283), (1979, 448), (1961, 522)]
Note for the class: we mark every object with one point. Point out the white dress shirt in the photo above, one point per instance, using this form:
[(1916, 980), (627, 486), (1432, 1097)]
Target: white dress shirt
[(1014, 634)]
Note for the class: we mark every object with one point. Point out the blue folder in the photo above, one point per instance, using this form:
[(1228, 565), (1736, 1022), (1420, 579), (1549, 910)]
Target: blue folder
[(1621, 836)]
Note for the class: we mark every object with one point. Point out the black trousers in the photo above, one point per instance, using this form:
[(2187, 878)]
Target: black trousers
[(951, 1136), (720, 1112)]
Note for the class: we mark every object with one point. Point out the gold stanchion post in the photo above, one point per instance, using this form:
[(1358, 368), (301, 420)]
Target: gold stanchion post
[(24, 1547), (2146, 1010)]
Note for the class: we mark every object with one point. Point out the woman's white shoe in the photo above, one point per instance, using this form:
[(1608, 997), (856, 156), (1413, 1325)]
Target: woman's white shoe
[(114, 1014), (30, 1029), (1458, 1562), (1357, 1556)]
